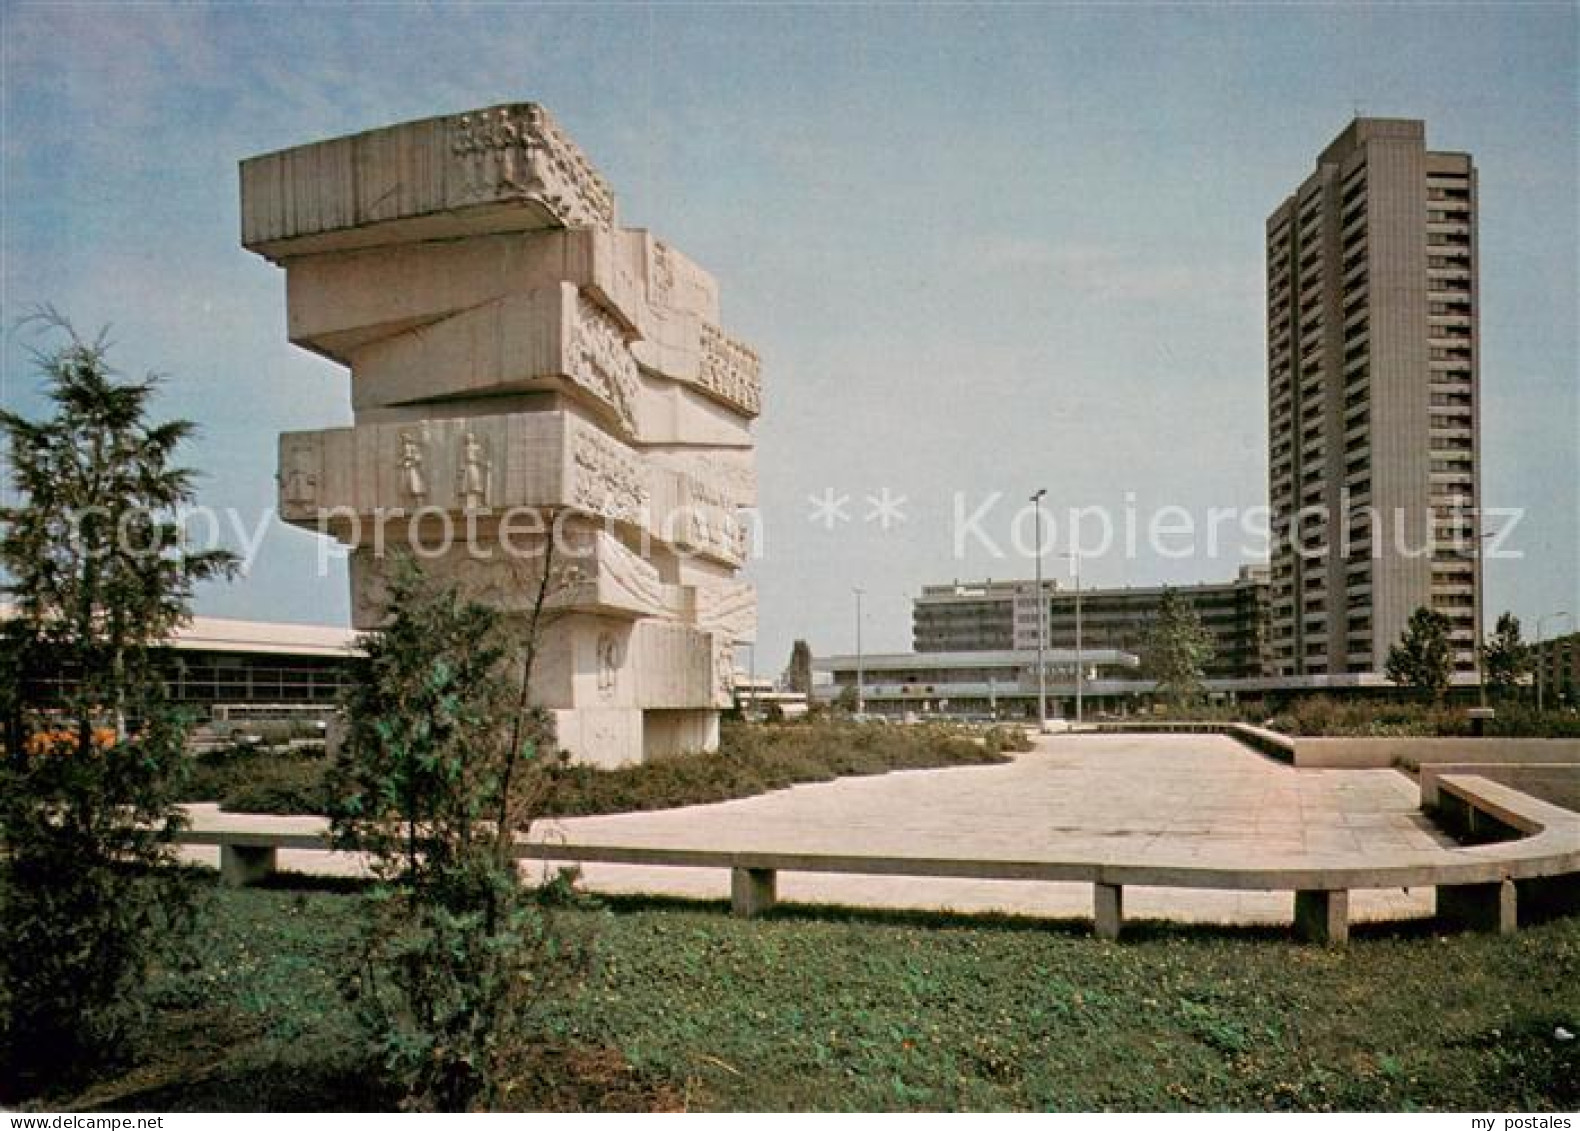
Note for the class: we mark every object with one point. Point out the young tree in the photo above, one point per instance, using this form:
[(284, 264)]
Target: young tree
[(1177, 650), (799, 674), (1505, 657), (1423, 658), (98, 579), (444, 767)]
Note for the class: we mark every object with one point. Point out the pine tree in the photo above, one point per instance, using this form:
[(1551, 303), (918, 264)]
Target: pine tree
[(98, 578), (800, 670), (444, 767)]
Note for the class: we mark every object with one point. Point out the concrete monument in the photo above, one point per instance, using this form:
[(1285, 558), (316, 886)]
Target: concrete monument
[(523, 371)]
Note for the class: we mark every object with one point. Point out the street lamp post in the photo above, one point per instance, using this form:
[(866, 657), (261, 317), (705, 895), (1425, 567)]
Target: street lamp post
[(1479, 643), (861, 697), (1540, 666), (1080, 659), (1042, 619)]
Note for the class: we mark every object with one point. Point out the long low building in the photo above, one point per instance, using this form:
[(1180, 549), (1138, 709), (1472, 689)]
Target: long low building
[(1004, 684), (1001, 683), (994, 615), (233, 669)]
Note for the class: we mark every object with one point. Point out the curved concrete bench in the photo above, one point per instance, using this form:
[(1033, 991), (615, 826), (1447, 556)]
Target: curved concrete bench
[(1478, 887), (1537, 857)]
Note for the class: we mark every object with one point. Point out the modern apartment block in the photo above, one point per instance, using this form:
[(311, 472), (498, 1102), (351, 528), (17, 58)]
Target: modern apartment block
[(1557, 669), (1373, 401), (1001, 616)]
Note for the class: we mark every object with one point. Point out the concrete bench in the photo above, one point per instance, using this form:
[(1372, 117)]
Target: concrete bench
[(1540, 843), (1480, 888)]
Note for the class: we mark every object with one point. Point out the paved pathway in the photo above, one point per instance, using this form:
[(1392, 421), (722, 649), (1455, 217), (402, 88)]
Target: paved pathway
[(1149, 798)]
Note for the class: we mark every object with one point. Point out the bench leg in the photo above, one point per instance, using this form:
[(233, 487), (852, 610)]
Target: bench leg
[(240, 865), (1108, 909), (1480, 907), (752, 891), (1323, 917)]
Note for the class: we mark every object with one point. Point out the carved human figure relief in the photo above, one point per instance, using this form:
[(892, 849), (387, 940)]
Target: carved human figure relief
[(299, 480), (413, 480), (474, 474), (509, 142), (495, 149), (608, 652)]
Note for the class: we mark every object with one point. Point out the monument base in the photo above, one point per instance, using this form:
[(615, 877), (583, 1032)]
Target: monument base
[(610, 737)]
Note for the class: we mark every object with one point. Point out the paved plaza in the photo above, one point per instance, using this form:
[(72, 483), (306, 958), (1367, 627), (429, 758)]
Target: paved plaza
[(1149, 798)]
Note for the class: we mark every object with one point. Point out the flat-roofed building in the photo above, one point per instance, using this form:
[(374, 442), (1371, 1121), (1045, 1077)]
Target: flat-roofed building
[(1002, 615), (1373, 378), (233, 669), (1556, 665), (1000, 684)]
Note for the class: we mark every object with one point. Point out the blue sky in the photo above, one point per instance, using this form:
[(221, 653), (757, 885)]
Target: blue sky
[(980, 248)]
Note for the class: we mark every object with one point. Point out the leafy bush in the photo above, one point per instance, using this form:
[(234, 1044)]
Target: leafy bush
[(284, 786), (250, 779), (754, 759), (1323, 715), (1013, 740), (751, 759), (1521, 720)]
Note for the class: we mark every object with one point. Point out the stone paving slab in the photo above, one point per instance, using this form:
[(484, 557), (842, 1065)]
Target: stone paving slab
[(1143, 798)]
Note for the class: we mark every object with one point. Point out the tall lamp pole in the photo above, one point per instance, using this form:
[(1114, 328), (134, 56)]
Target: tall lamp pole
[(1540, 663), (1042, 619), (1480, 645), (861, 695), (1080, 660)]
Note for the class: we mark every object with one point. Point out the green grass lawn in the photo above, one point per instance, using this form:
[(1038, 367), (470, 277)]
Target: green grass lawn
[(688, 1007)]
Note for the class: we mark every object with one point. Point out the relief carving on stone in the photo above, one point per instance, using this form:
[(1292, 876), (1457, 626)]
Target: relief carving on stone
[(601, 362), (727, 609), (299, 476), (710, 521), (730, 370), (411, 461), (474, 474), (517, 151), (610, 578), (661, 283), (608, 478), (631, 576), (610, 657)]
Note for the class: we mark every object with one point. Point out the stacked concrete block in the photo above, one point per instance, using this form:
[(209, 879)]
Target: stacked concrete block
[(536, 392)]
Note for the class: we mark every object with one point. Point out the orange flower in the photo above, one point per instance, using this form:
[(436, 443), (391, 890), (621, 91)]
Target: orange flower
[(62, 741)]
